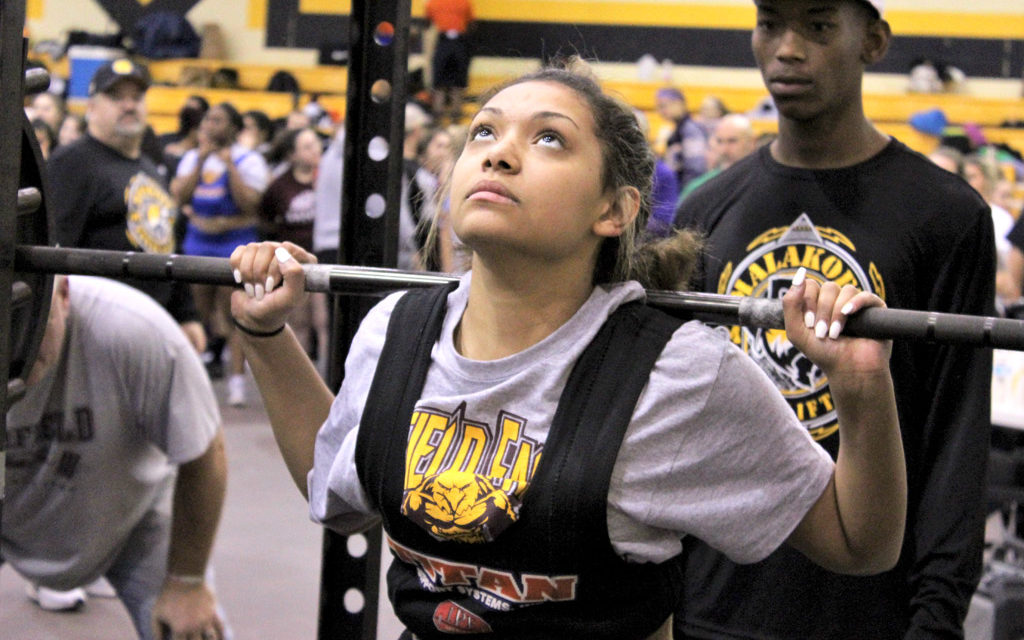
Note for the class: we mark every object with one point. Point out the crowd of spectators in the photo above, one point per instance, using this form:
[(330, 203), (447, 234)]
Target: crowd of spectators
[(692, 147), (277, 165)]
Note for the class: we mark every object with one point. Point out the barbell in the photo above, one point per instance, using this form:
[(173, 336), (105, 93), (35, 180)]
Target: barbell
[(980, 331), (35, 262)]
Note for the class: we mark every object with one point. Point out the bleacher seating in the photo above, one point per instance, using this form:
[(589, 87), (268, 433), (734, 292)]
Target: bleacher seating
[(890, 111), (255, 77), (164, 100)]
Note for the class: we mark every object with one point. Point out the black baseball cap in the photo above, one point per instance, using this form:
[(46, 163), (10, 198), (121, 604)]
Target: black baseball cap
[(117, 70)]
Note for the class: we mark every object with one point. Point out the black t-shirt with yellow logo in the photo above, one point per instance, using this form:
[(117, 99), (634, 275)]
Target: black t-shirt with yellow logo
[(101, 199), (919, 238)]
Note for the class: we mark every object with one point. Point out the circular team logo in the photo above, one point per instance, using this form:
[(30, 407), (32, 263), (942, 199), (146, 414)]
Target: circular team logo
[(767, 271), (151, 214)]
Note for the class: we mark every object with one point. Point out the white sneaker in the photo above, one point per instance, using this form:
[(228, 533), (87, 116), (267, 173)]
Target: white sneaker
[(53, 600), (100, 588), (236, 390)]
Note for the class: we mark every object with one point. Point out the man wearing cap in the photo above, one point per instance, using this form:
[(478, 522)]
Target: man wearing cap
[(104, 193), (835, 195)]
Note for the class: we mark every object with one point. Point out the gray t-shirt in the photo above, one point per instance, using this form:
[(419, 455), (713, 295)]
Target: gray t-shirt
[(712, 451), (94, 445)]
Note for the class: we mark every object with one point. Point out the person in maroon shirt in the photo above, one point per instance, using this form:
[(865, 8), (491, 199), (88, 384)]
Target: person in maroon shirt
[(287, 210)]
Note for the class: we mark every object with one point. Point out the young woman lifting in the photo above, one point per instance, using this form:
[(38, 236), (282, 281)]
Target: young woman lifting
[(536, 442)]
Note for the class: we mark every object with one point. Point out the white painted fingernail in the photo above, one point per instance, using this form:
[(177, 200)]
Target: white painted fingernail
[(270, 283), (821, 329), (249, 291), (238, 276), (847, 308), (833, 331), (809, 319), (282, 254), (259, 292), (798, 279)]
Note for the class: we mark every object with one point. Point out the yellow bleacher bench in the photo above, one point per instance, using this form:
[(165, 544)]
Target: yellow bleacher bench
[(891, 112), (163, 123), (312, 79), (878, 107), (161, 100)]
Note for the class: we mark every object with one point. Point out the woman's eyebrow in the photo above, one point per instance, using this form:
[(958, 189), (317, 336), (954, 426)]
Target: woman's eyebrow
[(540, 115), (548, 115)]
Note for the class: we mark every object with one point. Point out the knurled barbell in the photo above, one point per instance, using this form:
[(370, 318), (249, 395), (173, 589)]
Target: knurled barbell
[(35, 263), (980, 331)]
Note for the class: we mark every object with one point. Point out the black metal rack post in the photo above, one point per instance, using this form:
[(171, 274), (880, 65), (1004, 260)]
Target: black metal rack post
[(12, 25), (374, 133)]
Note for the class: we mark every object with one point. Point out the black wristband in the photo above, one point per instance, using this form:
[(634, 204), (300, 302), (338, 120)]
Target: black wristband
[(256, 334)]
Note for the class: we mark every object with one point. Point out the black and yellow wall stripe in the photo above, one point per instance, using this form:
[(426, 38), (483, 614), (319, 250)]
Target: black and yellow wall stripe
[(688, 33)]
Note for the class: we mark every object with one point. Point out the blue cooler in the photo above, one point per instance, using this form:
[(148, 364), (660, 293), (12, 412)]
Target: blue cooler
[(84, 61)]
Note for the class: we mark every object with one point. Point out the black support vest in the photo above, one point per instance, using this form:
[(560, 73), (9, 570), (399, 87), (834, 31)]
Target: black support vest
[(440, 588)]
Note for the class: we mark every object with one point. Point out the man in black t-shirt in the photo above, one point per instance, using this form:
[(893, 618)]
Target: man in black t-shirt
[(106, 194), (835, 195)]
